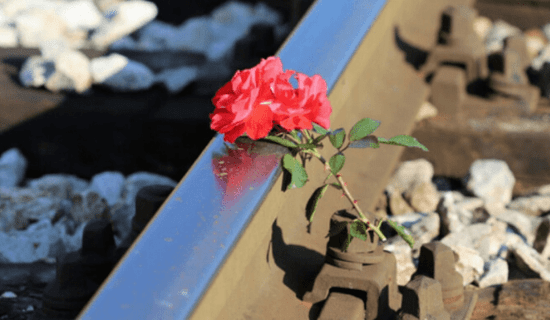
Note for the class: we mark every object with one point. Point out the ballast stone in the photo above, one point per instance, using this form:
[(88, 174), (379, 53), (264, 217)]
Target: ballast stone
[(123, 19), (12, 168), (491, 180)]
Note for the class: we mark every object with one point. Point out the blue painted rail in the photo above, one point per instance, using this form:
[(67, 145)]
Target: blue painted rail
[(171, 265)]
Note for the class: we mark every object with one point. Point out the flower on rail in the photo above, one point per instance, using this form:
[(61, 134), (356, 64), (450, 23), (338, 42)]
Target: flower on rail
[(257, 99)]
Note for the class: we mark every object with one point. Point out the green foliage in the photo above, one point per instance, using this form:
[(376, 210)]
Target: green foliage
[(363, 128), (296, 170), (403, 140), (369, 141), (337, 138), (314, 201), (318, 129), (336, 163), (336, 228), (402, 232), (281, 141)]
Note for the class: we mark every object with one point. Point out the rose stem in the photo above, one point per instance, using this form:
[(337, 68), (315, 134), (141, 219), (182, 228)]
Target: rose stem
[(350, 197)]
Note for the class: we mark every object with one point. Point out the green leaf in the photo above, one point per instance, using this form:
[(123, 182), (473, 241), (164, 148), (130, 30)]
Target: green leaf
[(336, 228), (336, 163), (336, 185), (318, 129), (319, 139), (337, 138), (363, 128), (359, 230), (314, 201), (281, 141), (404, 141), (369, 141), (402, 232), (297, 171)]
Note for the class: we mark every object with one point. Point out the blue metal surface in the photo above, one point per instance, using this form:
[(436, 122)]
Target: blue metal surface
[(177, 256)]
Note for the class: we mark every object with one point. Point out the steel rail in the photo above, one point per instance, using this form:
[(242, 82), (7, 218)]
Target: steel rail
[(171, 265)]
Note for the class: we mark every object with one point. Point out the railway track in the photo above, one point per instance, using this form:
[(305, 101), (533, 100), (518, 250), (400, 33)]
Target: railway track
[(211, 253)]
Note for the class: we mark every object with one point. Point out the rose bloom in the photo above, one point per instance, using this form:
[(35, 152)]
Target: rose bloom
[(257, 99), (242, 105), (298, 108)]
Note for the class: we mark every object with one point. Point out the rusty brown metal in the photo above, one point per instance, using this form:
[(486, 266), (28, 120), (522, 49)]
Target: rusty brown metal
[(449, 89), (422, 300), (347, 270), (458, 44), (437, 261), (343, 306)]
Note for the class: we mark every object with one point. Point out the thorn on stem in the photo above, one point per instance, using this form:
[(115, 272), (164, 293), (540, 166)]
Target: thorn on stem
[(355, 201), (343, 195), (338, 175)]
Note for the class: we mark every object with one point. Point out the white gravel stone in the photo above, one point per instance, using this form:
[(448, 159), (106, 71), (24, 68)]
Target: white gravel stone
[(36, 25), (410, 173), (403, 256), (108, 185), (12, 168), (80, 14), (528, 257), (132, 76), (123, 19), (8, 37), (103, 68), (497, 273), (8, 295), (469, 264), (195, 34), (491, 180), (35, 71), (532, 206), (88, 205), (176, 79), (72, 73)]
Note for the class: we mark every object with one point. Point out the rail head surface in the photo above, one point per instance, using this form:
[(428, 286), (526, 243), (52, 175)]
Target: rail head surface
[(170, 266)]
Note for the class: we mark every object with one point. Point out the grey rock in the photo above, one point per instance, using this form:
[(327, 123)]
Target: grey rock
[(58, 185), (424, 227), (491, 180), (35, 71), (533, 206), (469, 264), (524, 224), (72, 73), (8, 37), (528, 258), (133, 76), (123, 19), (80, 14), (403, 255), (108, 185), (37, 25), (410, 173), (12, 168), (176, 79), (423, 197), (398, 205), (88, 205), (497, 273)]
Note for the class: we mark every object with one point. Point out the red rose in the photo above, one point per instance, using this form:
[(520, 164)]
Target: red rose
[(298, 108), (242, 105)]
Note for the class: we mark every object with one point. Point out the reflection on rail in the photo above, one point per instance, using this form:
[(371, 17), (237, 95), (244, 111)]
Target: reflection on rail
[(170, 266)]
